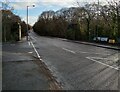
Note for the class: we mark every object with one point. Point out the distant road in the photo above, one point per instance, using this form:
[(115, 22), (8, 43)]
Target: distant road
[(78, 66)]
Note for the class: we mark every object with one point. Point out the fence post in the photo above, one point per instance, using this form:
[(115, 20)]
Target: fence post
[(19, 31)]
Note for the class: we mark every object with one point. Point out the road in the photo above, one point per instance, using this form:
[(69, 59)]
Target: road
[(78, 66)]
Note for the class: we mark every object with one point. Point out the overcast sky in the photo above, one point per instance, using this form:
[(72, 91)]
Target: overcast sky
[(42, 5)]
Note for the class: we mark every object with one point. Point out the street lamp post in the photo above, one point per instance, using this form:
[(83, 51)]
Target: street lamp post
[(27, 23)]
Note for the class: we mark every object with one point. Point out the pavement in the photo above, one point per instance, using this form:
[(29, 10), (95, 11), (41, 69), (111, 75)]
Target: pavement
[(22, 71), (79, 66)]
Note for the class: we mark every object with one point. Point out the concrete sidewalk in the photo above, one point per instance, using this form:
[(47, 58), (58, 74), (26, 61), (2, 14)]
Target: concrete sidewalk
[(19, 68)]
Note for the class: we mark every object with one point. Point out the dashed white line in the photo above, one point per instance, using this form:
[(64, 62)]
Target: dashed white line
[(30, 52), (93, 53), (101, 54), (68, 50), (116, 68), (83, 52), (97, 58)]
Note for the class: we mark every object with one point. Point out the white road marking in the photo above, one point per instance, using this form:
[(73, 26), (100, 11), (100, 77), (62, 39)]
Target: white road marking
[(68, 50), (30, 52), (98, 58), (93, 53), (35, 50), (113, 59), (116, 68), (29, 43), (33, 38), (83, 52), (101, 53)]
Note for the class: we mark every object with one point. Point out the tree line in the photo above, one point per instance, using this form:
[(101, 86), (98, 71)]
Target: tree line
[(81, 23), (10, 26)]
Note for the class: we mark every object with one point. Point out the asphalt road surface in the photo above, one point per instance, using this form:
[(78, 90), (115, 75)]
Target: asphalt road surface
[(78, 66)]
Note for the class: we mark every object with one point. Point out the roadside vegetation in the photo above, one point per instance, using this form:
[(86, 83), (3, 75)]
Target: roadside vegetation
[(10, 26), (11, 23), (82, 22)]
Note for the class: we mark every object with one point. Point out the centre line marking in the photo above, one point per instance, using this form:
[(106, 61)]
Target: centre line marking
[(92, 53), (98, 58), (68, 50), (102, 54), (116, 68), (83, 52), (30, 52)]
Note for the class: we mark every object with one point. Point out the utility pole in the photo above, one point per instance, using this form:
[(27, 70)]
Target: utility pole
[(27, 25)]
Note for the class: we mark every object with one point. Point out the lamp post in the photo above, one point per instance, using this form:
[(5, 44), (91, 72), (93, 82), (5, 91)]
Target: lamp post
[(27, 22)]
